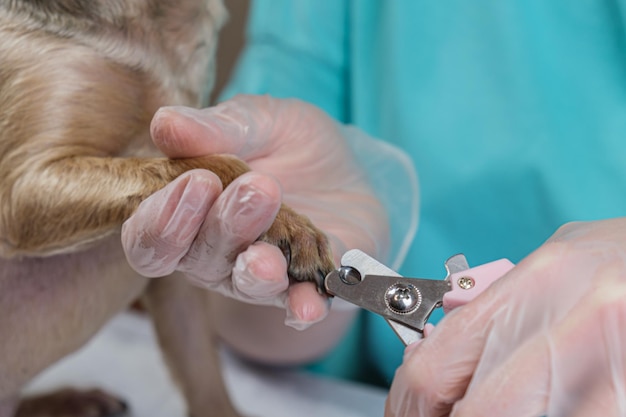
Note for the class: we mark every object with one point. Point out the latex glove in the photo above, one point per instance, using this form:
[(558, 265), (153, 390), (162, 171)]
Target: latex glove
[(293, 148), (549, 338)]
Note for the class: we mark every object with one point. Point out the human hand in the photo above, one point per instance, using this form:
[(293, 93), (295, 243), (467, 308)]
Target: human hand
[(294, 149), (548, 338)]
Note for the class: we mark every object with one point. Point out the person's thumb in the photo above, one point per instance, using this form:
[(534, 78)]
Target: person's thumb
[(241, 126)]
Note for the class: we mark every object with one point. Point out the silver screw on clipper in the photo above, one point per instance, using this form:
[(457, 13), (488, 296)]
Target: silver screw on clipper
[(403, 298), (349, 275), (467, 283)]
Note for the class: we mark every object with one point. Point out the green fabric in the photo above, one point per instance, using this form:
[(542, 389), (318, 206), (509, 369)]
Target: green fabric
[(514, 113)]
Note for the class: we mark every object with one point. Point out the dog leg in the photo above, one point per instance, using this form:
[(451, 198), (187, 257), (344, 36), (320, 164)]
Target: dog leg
[(68, 201), (187, 337), (49, 307), (76, 200), (68, 178)]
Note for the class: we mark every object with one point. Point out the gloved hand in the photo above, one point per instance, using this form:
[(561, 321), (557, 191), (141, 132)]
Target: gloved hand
[(293, 148), (549, 338)]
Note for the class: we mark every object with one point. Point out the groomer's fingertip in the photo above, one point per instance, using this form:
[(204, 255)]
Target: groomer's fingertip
[(428, 329), (160, 114), (174, 111), (305, 306), (183, 132), (258, 278), (159, 126), (264, 183), (259, 197), (203, 182), (411, 348), (189, 200), (296, 324), (312, 312), (169, 121), (303, 318)]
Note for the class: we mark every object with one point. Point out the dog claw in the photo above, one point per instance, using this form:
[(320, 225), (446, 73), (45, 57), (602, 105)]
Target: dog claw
[(321, 277), (286, 249)]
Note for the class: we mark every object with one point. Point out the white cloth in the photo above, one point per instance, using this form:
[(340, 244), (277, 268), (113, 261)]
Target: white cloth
[(124, 359)]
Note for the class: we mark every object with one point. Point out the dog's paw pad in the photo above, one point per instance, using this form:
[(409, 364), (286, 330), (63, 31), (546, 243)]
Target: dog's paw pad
[(70, 402)]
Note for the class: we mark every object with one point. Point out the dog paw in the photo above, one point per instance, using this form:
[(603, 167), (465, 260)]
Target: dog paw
[(305, 247), (72, 403)]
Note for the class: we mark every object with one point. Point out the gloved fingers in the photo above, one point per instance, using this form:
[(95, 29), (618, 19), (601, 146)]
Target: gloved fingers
[(305, 306), (435, 374), (558, 372), (424, 386), (240, 126), (596, 400), (271, 134), (555, 369), (160, 231), (518, 387), (238, 217), (589, 386), (538, 341), (520, 303), (402, 402), (589, 366), (260, 273)]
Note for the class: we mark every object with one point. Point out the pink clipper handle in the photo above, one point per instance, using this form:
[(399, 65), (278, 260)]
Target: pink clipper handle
[(466, 285)]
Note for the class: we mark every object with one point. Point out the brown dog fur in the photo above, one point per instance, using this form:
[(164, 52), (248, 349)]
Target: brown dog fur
[(79, 83)]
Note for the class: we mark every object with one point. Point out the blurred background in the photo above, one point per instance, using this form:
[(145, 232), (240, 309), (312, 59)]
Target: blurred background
[(232, 38)]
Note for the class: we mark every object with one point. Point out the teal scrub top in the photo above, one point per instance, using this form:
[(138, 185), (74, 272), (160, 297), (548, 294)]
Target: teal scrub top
[(513, 111)]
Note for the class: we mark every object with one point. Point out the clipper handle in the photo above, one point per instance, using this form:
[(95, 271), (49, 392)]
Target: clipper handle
[(467, 285)]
